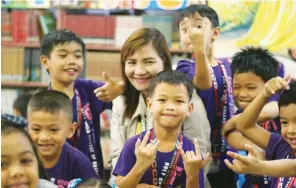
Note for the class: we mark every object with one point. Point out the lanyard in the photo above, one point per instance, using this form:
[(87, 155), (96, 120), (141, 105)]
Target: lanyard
[(143, 123), (222, 107), (79, 113), (168, 171), (289, 183)]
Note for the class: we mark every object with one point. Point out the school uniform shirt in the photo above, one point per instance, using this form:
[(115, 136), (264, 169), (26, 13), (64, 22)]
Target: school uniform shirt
[(195, 126), (86, 112), (215, 117), (127, 160), (72, 164), (278, 148)]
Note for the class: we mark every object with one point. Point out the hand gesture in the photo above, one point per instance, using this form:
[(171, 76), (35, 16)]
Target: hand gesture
[(110, 90), (145, 153), (193, 162), (197, 34), (244, 164), (275, 85)]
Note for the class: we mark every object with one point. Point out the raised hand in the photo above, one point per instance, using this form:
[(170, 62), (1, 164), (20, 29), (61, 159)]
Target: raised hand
[(193, 161), (245, 164), (145, 153), (197, 34), (275, 85), (110, 90)]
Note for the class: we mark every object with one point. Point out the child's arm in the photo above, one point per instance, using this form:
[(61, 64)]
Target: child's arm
[(234, 138), (193, 162), (145, 154), (269, 111), (246, 123), (253, 165), (110, 90), (202, 79)]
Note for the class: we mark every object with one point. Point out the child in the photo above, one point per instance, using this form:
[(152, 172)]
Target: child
[(63, 55), (50, 124), (252, 165), (157, 161), (276, 146), (20, 105), (20, 164), (199, 28), (251, 68)]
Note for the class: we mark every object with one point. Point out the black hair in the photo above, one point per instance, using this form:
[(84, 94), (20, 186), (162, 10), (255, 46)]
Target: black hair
[(172, 78), (8, 127), (288, 96), (256, 60), (57, 37), (94, 183), (21, 104), (51, 101), (203, 11)]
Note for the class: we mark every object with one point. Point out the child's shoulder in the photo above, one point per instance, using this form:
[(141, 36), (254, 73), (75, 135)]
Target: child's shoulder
[(88, 84), (73, 154)]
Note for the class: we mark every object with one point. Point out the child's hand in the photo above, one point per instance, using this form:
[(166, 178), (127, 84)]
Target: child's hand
[(244, 164), (144, 185), (193, 162), (110, 90), (275, 85), (145, 153), (197, 34)]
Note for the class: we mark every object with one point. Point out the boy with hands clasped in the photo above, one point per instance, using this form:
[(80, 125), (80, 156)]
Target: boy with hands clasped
[(162, 156)]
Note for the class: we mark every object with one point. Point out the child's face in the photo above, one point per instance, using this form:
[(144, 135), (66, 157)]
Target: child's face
[(197, 21), (49, 132), (19, 166), (288, 124), (142, 66), (65, 63), (246, 87), (169, 105)]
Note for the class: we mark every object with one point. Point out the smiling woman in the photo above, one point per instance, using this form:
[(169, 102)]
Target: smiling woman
[(145, 54)]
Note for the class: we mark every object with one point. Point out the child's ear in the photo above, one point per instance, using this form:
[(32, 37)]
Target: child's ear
[(190, 109), (215, 33), (72, 129), (44, 61)]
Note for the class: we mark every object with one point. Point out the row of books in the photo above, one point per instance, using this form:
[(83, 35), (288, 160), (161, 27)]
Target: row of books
[(23, 26), (99, 4)]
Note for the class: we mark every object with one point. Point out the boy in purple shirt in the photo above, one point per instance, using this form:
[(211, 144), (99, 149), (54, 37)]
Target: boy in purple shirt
[(199, 28), (276, 146), (157, 157), (252, 68), (63, 56), (50, 124)]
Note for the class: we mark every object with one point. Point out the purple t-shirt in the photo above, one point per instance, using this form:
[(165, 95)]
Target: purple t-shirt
[(219, 146), (278, 148), (127, 160), (72, 164), (87, 135)]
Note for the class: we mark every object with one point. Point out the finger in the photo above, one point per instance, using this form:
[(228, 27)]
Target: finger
[(105, 99), (106, 77), (231, 166), (287, 78), (100, 89), (183, 154), (154, 147), (145, 139), (279, 84), (269, 89), (137, 145), (250, 149), (285, 82), (192, 155), (197, 148), (207, 159)]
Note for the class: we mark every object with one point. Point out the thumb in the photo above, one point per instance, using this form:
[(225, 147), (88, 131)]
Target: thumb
[(106, 77), (137, 145), (287, 78)]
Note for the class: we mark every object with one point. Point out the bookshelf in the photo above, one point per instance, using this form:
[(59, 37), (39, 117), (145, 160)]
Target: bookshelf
[(20, 84)]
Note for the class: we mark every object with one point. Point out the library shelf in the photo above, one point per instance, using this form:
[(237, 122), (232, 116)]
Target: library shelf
[(22, 84), (91, 47)]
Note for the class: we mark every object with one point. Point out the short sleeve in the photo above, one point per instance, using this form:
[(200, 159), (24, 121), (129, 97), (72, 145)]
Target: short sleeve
[(127, 158), (187, 67), (275, 147)]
